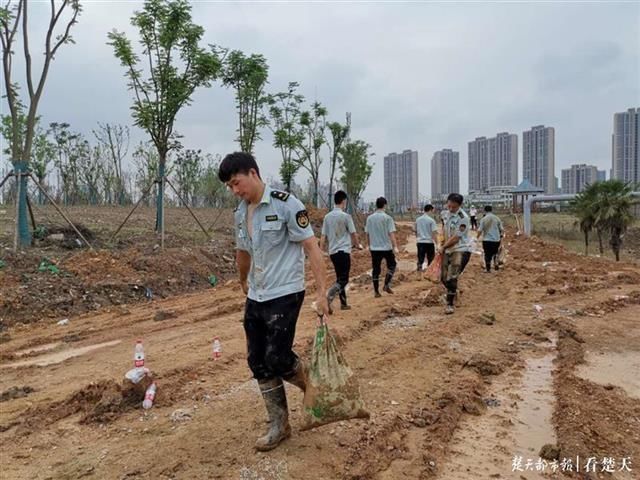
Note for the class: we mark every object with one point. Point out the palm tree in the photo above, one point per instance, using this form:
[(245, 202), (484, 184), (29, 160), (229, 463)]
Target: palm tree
[(585, 205), (613, 212)]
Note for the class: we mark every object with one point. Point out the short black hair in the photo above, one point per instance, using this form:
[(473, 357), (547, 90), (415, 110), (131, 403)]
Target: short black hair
[(237, 162), (381, 202), (488, 208), (428, 207), (455, 198), (339, 197)]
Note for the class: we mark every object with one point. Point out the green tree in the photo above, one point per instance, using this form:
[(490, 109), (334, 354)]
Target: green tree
[(42, 153), (188, 174), (147, 165), (114, 140), (214, 193), (282, 116), (248, 77), (65, 146), (339, 134), (355, 168), (91, 167), (177, 66), (12, 15), (313, 123)]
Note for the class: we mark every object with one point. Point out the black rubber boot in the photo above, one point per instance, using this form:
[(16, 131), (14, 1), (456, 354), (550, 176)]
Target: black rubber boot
[(275, 400)]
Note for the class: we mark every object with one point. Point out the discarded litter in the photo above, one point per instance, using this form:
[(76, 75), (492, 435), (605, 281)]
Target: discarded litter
[(213, 280), (47, 266), (136, 374), (617, 298), (217, 348), (138, 354), (149, 396), (148, 293), (64, 321), (181, 415), (538, 308)]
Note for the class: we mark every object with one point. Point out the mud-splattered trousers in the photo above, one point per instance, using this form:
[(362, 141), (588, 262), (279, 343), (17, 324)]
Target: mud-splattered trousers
[(270, 328), (453, 265)]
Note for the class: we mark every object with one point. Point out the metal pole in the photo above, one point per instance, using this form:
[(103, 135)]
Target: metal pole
[(60, 211), (162, 216), (18, 174), (190, 211), (144, 195)]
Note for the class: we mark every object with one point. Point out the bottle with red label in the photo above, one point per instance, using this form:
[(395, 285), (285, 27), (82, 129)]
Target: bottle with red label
[(138, 355), (149, 396), (217, 348)]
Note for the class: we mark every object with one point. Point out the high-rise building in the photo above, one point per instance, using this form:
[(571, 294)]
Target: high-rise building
[(401, 180), (445, 173), (538, 157), (493, 162), (503, 160), (478, 165), (577, 177), (625, 146)]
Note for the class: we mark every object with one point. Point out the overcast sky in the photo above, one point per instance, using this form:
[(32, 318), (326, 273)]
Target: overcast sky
[(421, 76)]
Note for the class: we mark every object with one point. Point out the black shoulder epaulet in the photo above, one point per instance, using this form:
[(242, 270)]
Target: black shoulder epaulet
[(461, 215), (280, 195)]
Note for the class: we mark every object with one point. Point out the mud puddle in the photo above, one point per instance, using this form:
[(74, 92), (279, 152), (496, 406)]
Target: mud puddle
[(613, 368), (57, 357), (505, 441)]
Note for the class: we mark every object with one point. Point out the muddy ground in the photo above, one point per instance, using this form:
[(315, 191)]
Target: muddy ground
[(473, 395)]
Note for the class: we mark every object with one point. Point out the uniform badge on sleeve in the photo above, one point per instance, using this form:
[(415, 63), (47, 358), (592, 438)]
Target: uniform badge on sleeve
[(302, 219)]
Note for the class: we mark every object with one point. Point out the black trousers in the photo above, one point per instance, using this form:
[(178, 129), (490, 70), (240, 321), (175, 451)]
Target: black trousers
[(490, 251), (342, 265), (428, 249), (270, 328), (376, 262), (474, 223)]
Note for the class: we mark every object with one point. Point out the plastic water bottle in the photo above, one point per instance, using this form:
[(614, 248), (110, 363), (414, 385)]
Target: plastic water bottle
[(149, 396), (138, 354), (217, 348)]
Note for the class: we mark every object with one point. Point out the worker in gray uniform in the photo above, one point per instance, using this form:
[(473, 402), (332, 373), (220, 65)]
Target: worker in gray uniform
[(426, 233), (273, 234), (380, 229), (456, 248), (491, 231), (339, 233)]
